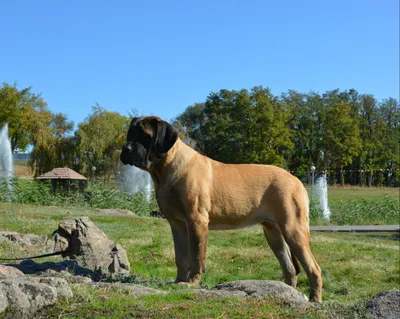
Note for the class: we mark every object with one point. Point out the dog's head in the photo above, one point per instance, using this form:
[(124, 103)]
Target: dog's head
[(149, 138)]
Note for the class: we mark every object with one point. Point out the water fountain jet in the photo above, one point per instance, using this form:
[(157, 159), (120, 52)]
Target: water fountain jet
[(321, 190), (6, 159), (134, 180)]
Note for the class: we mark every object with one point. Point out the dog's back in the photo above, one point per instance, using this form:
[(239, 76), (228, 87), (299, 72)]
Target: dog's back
[(246, 194)]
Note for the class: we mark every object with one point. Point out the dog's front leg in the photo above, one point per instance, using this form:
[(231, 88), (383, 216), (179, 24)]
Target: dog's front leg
[(197, 233), (180, 236)]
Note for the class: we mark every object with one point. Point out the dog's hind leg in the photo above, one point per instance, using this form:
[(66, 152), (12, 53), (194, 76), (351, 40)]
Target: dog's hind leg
[(298, 241), (282, 252), (180, 236)]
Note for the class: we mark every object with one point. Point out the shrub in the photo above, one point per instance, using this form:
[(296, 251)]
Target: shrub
[(316, 213)]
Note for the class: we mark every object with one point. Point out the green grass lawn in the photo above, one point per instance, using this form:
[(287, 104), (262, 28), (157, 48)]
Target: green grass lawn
[(367, 193), (355, 266)]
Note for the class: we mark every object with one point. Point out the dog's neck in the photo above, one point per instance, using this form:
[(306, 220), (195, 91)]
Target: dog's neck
[(173, 163)]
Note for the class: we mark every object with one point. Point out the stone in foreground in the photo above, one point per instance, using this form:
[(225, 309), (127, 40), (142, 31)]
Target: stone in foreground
[(134, 289), (30, 241), (21, 298), (386, 305), (91, 248), (264, 288)]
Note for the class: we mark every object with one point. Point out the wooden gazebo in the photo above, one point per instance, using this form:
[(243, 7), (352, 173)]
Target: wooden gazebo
[(64, 178)]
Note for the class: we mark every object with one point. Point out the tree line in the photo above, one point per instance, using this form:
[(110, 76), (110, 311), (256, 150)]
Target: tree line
[(351, 137)]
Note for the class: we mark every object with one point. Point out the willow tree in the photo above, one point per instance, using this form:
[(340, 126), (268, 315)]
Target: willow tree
[(53, 146), (100, 138)]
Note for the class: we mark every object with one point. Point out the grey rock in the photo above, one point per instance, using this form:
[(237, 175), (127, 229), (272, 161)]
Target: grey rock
[(25, 297), (70, 278), (264, 288), (134, 289), (256, 289), (117, 212), (220, 293), (54, 273), (91, 247), (60, 242), (3, 301), (60, 284), (10, 272), (386, 305), (31, 241), (80, 280)]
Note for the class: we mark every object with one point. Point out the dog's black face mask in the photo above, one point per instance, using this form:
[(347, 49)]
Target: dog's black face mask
[(148, 139)]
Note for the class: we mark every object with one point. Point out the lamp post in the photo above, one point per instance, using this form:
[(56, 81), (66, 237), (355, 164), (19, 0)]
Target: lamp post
[(312, 180), (93, 170)]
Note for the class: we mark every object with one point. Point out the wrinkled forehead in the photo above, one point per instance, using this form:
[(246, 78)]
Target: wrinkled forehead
[(136, 120), (144, 120), (142, 124)]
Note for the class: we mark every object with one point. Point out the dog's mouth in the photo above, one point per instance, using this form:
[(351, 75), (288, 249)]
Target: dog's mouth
[(129, 162), (127, 159)]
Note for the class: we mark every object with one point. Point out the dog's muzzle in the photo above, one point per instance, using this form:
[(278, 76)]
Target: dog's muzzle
[(126, 156)]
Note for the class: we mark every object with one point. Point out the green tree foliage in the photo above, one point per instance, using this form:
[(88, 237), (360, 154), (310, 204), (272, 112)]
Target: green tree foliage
[(239, 126), (372, 130), (24, 112), (53, 146), (389, 112), (342, 137), (352, 136), (306, 122), (100, 138), (189, 123)]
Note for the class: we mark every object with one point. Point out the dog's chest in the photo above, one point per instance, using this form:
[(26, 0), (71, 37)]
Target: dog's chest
[(170, 204)]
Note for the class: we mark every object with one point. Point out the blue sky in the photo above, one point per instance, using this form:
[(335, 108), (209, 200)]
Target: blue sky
[(162, 56)]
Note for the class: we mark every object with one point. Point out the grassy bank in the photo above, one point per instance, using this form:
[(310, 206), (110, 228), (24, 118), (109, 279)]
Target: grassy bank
[(355, 267), (350, 193), (99, 195)]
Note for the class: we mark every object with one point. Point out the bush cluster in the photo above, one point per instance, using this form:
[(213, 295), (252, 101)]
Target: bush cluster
[(100, 195)]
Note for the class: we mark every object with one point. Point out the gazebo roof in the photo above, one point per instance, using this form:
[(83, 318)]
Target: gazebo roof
[(62, 173)]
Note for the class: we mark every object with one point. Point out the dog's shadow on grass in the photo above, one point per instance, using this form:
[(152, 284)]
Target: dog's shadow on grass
[(30, 267), (48, 268)]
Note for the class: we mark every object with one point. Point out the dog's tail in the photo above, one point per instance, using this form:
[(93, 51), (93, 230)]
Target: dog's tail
[(295, 263)]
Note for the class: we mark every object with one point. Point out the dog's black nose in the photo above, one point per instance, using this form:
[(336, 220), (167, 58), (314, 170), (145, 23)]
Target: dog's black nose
[(127, 147)]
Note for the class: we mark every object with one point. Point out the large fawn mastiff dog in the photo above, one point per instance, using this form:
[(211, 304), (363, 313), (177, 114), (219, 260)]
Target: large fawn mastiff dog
[(196, 193)]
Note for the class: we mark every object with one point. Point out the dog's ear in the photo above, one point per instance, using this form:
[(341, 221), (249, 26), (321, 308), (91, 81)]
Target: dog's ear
[(165, 137)]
